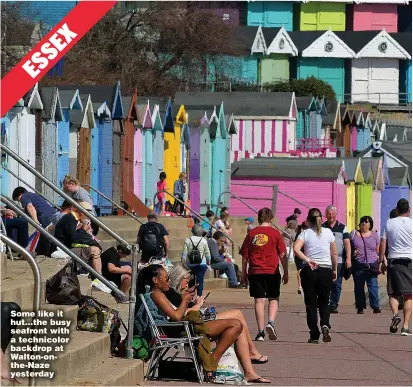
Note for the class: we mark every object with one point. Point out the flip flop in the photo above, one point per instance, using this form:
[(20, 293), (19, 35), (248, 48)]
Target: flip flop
[(259, 361), (259, 380)]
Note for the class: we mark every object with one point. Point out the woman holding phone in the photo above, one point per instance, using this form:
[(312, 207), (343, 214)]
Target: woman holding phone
[(318, 272)]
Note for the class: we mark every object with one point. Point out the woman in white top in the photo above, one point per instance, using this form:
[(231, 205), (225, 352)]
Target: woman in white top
[(319, 271)]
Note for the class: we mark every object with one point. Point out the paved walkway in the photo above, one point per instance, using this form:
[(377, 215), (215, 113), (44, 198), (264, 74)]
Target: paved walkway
[(362, 351)]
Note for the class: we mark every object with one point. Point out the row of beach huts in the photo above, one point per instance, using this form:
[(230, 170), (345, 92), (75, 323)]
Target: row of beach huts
[(243, 142)]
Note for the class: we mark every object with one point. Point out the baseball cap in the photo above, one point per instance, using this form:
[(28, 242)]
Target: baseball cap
[(250, 219)]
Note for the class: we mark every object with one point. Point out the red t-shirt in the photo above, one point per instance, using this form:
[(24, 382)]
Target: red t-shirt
[(262, 247)]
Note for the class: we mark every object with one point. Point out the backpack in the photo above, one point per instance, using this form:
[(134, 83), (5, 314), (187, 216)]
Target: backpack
[(151, 243), (195, 257), (93, 316)]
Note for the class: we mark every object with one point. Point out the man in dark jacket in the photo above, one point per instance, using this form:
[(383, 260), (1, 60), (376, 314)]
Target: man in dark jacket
[(72, 233)]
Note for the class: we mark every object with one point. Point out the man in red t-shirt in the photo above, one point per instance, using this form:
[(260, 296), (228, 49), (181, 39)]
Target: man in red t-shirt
[(262, 249)]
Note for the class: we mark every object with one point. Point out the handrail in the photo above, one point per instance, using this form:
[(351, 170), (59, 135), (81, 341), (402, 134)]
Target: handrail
[(65, 196), (37, 293), (115, 204), (199, 216), (253, 209), (31, 187), (280, 192), (38, 227), (110, 285)]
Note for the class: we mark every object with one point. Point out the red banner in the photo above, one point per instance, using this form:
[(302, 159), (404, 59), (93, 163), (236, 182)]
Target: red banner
[(50, 50)]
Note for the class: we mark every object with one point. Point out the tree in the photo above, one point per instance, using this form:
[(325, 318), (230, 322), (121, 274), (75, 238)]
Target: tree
[(16, 34), (159, 49)]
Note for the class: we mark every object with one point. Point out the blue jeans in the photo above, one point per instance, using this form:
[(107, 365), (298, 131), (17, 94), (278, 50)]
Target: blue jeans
[(229, 270), (362, 277), (199, 272), (336, 289), (17, 230)]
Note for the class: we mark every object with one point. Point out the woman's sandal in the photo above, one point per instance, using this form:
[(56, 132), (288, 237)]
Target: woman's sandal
[(209, 376), (259, 380), (259, 360)]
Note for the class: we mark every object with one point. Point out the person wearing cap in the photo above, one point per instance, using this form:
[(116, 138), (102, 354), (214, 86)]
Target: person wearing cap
[(112, 269), (294, 216), (197, 241), (250, 223)]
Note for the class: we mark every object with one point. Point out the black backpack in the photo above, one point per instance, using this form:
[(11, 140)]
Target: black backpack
[(194, 256), (151, 242)]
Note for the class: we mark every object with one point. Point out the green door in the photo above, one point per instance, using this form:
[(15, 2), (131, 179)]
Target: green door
[(274, 68), (364, 201)]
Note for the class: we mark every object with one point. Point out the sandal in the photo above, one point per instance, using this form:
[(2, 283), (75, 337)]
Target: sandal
[(209, 376), (259, 360), (259, 380)]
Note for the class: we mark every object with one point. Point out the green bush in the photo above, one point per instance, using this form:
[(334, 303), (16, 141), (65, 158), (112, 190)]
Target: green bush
[(303, 87)]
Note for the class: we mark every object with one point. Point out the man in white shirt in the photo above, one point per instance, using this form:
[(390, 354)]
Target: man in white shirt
[(398, 237)]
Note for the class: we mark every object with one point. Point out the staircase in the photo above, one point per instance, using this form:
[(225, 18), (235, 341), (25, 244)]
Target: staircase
[(86, 359), (178, 230)]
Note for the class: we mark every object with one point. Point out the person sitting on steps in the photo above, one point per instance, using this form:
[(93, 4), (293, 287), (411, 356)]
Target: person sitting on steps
[(112, 269)]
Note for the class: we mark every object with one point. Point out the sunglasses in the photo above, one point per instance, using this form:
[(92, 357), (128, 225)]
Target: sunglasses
[(167, 279), (364, 221)]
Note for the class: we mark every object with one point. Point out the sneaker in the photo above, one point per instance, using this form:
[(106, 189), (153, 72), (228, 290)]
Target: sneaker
[(311, 341), (394, 325), (333, 309), (260, 336), (376, 310), (326, 333), (101, 286), (272, 334), (223, 276), (360, 311), (406, 332), (299, 290)]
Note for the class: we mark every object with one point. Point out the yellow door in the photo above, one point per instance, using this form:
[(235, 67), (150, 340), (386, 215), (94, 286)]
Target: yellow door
[(351, 206), (172, 156)]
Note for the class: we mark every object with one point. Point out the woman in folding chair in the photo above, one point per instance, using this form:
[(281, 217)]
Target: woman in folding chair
[(225, 332), (180, 277)]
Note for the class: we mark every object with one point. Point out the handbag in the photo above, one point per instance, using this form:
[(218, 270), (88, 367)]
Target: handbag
[(64, 288), (373, 267)]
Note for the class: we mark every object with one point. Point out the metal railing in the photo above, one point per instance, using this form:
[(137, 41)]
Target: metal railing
[(37, 292), (199, 216), (115, 204), (120, 294), (280, 192), (253, 209), (30, 186)]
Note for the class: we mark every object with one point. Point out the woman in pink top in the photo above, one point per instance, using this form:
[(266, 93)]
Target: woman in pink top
[(160, 186)]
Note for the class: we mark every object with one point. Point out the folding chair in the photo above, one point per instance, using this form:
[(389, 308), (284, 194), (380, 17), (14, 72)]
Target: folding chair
[(162, 343)]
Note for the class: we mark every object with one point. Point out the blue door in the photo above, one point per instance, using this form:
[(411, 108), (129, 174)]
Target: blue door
[(105, 165), (150, 180), (62, 151), (94, 163)]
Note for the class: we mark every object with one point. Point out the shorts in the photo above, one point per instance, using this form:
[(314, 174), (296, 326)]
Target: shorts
[(265, 285), (162, 199), (399, 277)]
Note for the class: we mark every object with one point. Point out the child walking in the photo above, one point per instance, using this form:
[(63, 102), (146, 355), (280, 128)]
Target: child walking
[(160, 186), (262, 250)]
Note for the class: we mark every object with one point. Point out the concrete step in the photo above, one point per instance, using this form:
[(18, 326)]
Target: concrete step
[(84, 351), (111, 372)]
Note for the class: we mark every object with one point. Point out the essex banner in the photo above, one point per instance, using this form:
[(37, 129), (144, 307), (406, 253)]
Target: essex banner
[(50, 50)]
